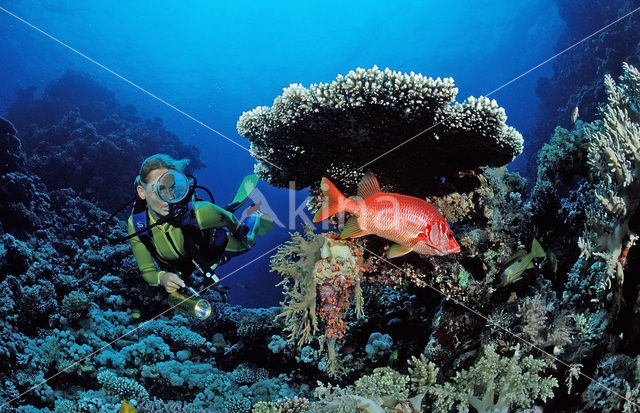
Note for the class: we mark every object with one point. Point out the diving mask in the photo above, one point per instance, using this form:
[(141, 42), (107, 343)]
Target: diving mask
[(172, 186)]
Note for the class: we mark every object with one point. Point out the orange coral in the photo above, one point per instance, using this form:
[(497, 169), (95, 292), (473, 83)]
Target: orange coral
[(336, 279)]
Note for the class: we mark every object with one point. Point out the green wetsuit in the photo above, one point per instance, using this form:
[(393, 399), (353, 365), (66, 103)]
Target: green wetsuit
[(169, 241)]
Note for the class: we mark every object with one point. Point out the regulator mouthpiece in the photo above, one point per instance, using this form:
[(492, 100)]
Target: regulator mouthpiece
[(172, 186), (194, 306)]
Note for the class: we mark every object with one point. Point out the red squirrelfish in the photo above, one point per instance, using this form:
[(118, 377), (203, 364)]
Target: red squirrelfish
[(411, 223)]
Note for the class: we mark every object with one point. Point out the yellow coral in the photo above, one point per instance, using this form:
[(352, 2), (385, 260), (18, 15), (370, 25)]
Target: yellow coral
[(295, 260)]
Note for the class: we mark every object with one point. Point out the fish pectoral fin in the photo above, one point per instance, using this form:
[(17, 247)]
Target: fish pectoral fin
[(352, 229), (397, 250)]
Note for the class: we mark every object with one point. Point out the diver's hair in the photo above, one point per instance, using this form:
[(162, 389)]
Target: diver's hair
[(159, 161)]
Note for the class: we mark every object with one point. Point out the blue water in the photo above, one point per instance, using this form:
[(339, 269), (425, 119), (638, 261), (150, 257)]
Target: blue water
[(214, 60)]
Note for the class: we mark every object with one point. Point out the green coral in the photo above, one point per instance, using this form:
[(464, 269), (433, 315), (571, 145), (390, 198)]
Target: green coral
[(295, 261), (614, 162), (75, 305), (496, 384), (385, 386), (385, 390), (286, 405), (422, 374)]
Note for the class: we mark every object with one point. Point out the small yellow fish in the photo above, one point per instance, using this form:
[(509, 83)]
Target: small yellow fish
[(135, 315), (127, 407), (519, 263)]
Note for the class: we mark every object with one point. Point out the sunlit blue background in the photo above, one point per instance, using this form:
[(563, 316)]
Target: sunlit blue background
[(214, 60)]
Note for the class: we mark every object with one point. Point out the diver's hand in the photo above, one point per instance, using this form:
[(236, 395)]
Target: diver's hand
[(170, 281)]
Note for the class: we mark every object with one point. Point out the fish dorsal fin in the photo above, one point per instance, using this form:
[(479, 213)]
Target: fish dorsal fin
[(368, 186), (352, 229), (397, 250)]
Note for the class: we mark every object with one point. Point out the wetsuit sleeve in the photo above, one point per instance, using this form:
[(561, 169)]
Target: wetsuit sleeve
[(143, 257), (210, 216)]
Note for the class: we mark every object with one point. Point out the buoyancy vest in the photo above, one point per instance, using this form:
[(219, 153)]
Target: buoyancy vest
[(204, 248)]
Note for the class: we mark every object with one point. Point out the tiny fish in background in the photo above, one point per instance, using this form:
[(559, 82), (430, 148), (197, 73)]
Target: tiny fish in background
[(574, 115), (412, 223)]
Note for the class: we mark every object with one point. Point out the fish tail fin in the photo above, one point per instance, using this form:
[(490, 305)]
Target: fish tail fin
[(536, 249), (334, 201)]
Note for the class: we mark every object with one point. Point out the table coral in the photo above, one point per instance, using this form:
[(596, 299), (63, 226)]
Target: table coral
[(332, 128)]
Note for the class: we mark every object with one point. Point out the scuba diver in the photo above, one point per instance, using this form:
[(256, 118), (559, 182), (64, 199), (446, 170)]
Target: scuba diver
[(178, 239)]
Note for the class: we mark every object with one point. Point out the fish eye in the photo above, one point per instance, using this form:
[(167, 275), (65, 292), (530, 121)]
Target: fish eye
[(450, 234)]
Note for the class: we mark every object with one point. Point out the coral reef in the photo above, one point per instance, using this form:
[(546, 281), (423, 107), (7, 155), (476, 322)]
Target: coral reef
[(330, 129), (79, 331), (70, 341), (77, 135), (577, 75), (614, 161)]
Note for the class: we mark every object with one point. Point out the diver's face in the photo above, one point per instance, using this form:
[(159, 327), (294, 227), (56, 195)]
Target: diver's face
[(157, 207)]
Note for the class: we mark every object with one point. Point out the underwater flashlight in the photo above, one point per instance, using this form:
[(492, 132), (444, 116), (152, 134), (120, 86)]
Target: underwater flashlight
[(190, 304), (172, 186)]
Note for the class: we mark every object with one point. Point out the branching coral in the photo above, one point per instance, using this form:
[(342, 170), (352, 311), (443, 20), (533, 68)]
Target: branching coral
[(496, 384), (385, 390), (322, 130), (534, 312), (122, 387), (614, 160), (616, 376), (295, 261), (286, 405), (75, 305)]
